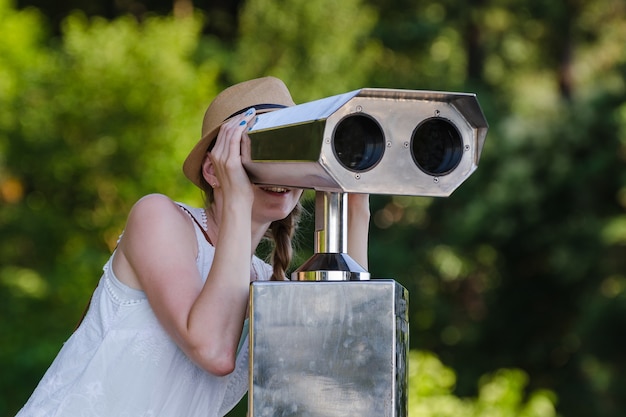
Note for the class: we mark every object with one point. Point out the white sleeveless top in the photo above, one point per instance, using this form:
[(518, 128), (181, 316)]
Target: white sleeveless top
[(120, 362)]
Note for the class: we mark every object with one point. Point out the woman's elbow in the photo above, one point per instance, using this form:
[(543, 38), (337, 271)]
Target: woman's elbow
[(220, 368), (217, 363)]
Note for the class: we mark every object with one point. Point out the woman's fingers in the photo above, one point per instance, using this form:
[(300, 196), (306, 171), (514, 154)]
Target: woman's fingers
[(226, 154), (228, 142)]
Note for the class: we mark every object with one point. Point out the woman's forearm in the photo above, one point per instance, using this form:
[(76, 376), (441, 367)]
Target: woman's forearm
[(358, 227)]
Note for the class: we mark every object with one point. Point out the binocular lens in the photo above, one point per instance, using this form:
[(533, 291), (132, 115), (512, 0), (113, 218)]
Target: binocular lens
[(358, 142), (436, 146)]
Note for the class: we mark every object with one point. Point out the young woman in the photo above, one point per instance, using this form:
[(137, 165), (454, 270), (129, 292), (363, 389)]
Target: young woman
[(164, 334)]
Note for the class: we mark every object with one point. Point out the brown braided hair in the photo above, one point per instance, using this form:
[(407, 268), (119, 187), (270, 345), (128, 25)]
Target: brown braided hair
[(280, 233)]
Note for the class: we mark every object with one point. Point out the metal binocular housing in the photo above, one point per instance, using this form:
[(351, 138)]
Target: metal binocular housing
[(375, 141)]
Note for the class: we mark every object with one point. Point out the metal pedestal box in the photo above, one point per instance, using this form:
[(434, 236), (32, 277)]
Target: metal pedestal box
[(328, 349)]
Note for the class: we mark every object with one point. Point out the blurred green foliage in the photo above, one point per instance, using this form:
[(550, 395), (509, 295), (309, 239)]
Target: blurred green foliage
[(517, 281), (324, 46), (501, 394)]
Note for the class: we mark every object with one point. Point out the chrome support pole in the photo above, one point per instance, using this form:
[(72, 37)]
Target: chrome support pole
[(331, 225), (331, 261)]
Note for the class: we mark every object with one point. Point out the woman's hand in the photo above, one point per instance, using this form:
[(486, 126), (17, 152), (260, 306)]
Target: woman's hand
[(225, 158)]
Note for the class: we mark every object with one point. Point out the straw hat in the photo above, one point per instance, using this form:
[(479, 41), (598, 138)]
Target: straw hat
[(264, 94)]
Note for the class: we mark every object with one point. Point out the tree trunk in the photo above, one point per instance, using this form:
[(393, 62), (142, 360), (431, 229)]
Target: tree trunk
[(473, 47)]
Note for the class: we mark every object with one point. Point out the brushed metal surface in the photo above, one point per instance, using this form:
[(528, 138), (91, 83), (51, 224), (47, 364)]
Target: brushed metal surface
[(328, 349), (295, 146)]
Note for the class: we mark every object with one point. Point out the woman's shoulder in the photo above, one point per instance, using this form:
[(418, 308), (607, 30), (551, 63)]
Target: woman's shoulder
[(155, 207), (156, 212), (154, 201)]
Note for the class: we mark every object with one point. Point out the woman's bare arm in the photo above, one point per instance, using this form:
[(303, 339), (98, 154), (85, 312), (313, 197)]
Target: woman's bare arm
[(358, 227)]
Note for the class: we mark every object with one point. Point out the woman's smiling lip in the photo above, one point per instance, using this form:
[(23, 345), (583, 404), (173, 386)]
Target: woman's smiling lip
[(279, 190)]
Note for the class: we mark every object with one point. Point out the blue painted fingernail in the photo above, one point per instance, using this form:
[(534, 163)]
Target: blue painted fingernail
[(243, 122), (250, 111)]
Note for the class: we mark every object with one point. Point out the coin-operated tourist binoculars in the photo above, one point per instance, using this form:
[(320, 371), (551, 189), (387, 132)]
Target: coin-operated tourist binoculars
[(331, 342)]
